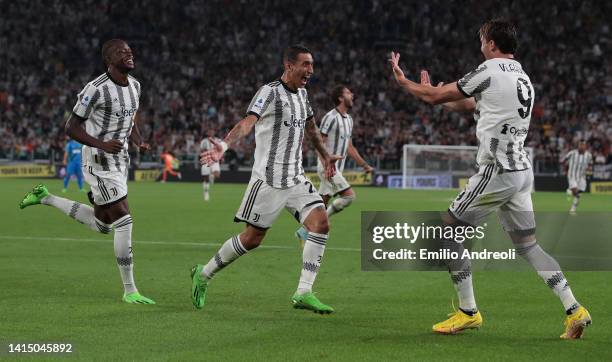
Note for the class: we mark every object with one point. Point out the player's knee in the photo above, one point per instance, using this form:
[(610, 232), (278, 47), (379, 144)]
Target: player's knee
[(320, 226), (344, 201), (522, 238), (252, 237)]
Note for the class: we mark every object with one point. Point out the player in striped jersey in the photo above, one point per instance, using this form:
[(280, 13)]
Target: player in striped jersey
[(103, 120), (209, 173), (578, 163), (336, 131), (500, 94), (282, 116)]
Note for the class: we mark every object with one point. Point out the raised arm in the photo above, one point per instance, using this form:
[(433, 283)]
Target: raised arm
[(425, 92), (465, 105), (240, 130)]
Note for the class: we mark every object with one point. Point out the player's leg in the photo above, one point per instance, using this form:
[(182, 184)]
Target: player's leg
[(326, 191), (206, 187), (216, 172), (468, 209), (67, 178), (518, 220), (308, 208), (260, 206), (344, 193), (233, 248), (343, 200), (79, 176), (110, 205), (205, 171), (76, 210), (164, 175)]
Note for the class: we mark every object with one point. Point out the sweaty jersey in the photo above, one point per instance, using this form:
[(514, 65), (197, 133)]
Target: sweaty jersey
[(279, 131), (73, 151), (338, 129), (109, 110), (504, 98), (577, 163)]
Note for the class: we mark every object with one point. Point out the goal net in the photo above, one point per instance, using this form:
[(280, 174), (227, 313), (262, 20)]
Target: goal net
[(439, 167)]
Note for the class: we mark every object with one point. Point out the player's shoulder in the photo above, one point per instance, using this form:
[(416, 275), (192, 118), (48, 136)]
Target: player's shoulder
[(133, 79), (331, 114), (272, 85), (99, 81)]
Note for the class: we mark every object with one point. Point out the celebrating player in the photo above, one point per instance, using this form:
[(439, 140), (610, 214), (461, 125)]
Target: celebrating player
[(72, 160), (103, 121), (578, 163), (336, 131), (500, 94), (209, 173), (281, 114)]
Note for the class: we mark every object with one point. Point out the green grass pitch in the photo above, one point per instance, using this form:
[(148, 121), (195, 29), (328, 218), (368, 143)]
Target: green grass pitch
[(60, 284)]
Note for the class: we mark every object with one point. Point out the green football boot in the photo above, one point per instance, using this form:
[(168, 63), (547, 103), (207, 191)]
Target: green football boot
[(198, 286), (136, 298), (311, 302), (34, 197)]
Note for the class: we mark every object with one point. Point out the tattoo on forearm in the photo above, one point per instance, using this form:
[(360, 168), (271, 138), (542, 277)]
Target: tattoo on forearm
[(239, 131), (312, 131)]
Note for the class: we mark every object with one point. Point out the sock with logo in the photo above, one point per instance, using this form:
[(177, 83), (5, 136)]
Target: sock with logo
[(231, 250)]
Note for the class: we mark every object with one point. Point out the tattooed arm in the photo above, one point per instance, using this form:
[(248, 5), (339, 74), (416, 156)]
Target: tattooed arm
[(240, 130)]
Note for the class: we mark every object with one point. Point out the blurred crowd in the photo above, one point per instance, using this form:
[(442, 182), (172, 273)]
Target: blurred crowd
[(201, 62)]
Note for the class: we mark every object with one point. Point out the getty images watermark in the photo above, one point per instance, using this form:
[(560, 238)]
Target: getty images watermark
[(433, 235), (419, 241)]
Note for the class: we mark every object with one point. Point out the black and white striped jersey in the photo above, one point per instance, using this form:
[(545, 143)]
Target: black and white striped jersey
[(109, 110), (279, 132), (338, 128), (504, 99), (577, 163), (206, 145)]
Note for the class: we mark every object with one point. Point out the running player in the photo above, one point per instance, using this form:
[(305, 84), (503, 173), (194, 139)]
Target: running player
[(209, 173), (578, 164), (500, 94), (72, 160), (171, 163), (336, 131), (103, 121), (281, 114)]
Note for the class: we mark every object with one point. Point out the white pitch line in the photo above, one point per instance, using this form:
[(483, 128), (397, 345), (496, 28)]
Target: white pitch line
[(194, 243), (158, 242)]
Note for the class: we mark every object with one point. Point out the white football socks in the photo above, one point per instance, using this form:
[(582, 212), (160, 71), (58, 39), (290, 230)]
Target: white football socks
[(314, 248), (229, 251), (80, 212)]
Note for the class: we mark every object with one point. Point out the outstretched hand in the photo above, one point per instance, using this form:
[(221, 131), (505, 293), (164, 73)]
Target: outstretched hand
[(426, 80), (213, 155), (329, 164), (398, 73)]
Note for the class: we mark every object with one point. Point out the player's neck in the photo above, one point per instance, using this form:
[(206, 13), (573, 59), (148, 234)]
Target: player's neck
[(341, 108), (501, 55), (116, 76), (287, 84)]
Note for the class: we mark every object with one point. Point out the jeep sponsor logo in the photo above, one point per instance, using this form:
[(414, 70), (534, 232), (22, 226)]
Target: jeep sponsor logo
[(124, 112), (295, 122), (506, 128)]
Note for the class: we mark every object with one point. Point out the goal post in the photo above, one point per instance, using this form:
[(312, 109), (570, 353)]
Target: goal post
[(439, 166)]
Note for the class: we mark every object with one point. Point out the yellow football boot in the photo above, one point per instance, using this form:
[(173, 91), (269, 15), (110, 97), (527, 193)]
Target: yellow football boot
[(575, 323), (458, 322)]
